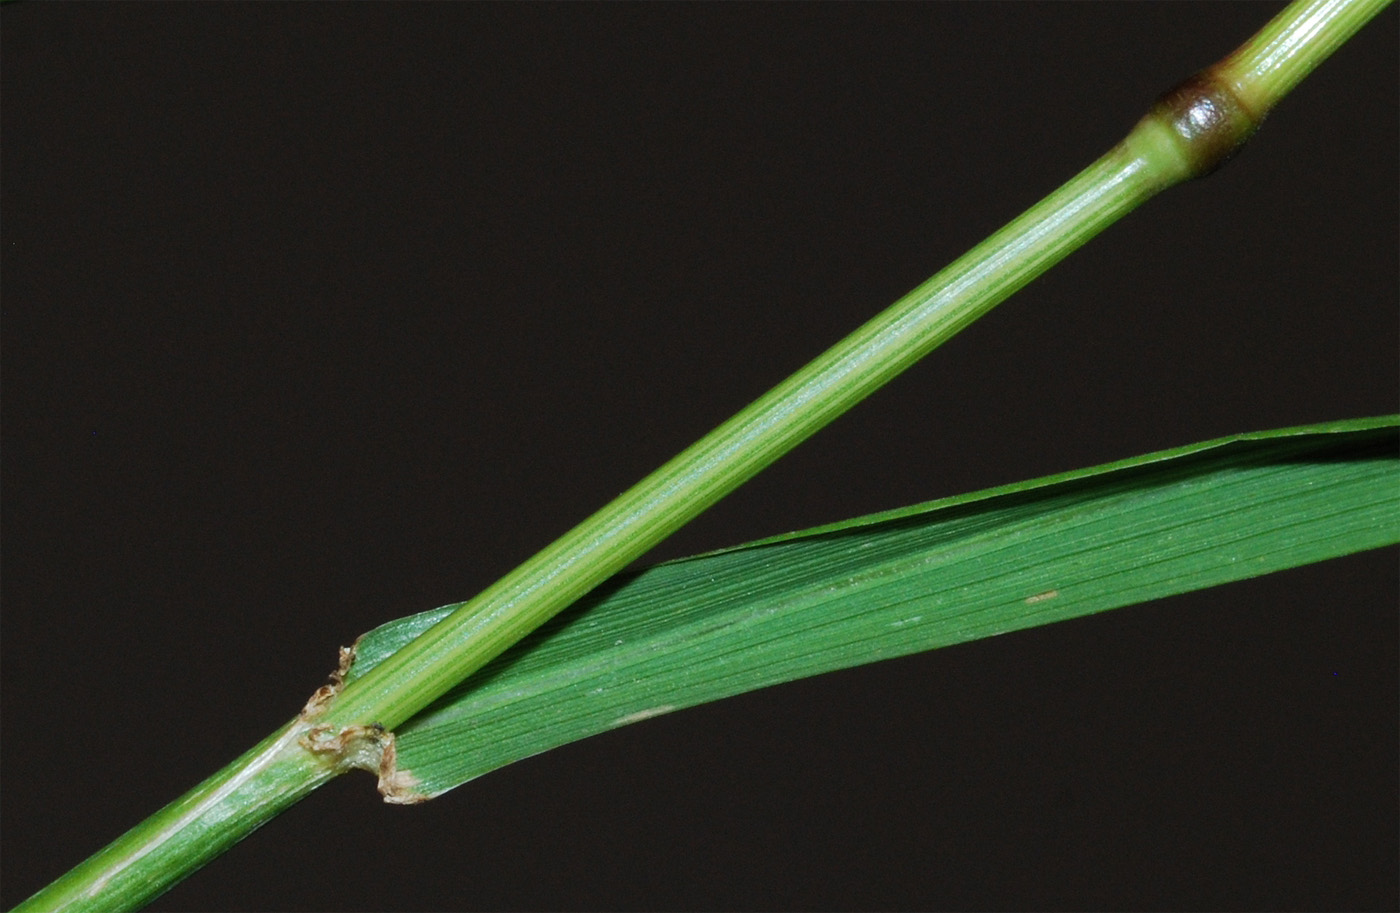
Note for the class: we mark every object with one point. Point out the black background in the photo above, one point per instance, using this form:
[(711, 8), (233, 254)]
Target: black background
[(319, 315)]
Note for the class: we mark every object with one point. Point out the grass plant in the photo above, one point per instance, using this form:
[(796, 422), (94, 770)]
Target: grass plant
[(381, 698)]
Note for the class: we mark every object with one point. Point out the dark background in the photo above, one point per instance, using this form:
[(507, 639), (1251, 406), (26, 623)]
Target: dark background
[(318, 315)]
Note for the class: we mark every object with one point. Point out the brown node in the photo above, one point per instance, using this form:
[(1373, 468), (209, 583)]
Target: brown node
[(1208, 118)]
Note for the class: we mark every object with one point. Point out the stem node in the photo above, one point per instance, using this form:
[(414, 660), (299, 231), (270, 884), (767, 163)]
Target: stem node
[(1206, 120)]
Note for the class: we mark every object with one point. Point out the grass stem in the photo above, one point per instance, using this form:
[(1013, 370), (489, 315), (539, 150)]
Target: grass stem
[(1185, 135)]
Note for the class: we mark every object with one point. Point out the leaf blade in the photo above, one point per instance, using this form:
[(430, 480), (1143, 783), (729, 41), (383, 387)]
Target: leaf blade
[(872, 588)]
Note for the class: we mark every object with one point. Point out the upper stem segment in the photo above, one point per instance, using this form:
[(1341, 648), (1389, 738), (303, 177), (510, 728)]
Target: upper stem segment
[(769, 427)]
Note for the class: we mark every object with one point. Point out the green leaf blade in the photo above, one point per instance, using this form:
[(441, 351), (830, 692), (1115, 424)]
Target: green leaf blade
[(960, 569)]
